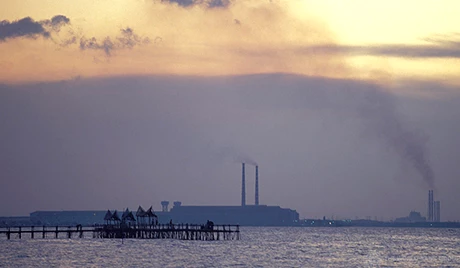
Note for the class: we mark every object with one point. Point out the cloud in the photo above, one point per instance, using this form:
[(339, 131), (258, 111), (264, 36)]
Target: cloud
[(126, 40), (450, 40), (439, 47), (244, 37), (205, 3), (57, 22), (92, 43), (28, 28)]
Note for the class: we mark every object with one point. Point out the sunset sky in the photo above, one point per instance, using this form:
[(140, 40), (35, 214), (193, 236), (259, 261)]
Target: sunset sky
[(349, 39), (350, 108)]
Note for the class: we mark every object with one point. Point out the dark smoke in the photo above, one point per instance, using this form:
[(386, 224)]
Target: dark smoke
[(246, 160), (375, 107), (234, 155), (380, 115)]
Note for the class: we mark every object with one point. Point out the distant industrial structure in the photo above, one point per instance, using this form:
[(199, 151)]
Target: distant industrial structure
[(437, 211), (434, 208), (414, 217), (433, 212), (248, 215), (430, 205), (243, 185)]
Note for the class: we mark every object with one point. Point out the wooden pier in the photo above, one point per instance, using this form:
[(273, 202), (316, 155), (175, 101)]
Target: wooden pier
[(159, 231), (45, 231)]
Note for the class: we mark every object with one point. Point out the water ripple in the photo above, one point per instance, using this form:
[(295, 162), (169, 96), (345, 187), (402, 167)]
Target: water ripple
[(259, 247)]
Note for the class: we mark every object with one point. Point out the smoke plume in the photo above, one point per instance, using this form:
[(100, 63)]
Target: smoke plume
[(234, 155), (380, 115)]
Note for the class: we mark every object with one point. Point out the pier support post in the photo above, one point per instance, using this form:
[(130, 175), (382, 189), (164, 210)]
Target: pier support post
[(57, 232), (20, 232), (32, 232)]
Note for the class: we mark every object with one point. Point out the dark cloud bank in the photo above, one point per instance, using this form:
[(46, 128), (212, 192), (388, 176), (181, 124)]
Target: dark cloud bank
[(29, 28), (116, 142), (205, 3)]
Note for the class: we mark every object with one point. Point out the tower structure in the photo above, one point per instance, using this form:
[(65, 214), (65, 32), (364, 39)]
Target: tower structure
[(430, 206), (257, 187), (164, 206), (243, 186), (437, 211)]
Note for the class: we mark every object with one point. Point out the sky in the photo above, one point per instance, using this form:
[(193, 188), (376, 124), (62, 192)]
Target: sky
[(350, 109)]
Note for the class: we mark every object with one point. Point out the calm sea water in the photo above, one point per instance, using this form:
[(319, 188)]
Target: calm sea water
[(259, 247)]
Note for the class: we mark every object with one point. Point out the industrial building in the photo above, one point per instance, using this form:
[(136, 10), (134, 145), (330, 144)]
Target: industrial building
[(433, 212), (414, 217), (246, 215), (249, 215)]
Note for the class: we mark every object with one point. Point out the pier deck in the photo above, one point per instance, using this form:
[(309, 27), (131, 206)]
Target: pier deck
[(161, 231)]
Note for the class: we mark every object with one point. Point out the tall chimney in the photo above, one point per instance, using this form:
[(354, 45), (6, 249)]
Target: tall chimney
[(243, 187), (437, 211), (430, 206), (257, 186)]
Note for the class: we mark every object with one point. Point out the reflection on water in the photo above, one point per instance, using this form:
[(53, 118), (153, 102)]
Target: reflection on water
[(258, 247)]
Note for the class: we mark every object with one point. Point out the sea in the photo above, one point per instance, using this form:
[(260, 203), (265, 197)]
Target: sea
[(258, 247)]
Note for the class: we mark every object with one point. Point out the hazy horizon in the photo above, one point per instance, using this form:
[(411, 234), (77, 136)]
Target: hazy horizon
[(118, 103), (324, 146)]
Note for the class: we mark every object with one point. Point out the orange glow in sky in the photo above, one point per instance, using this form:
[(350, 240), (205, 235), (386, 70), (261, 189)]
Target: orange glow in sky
[(247, 36)]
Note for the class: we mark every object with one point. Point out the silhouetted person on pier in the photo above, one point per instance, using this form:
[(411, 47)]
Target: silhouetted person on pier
[(209, 225)]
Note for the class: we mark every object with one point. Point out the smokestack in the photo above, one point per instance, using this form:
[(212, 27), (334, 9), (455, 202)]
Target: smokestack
[(257, 186), (243, 187), (437, 211), (430, 206)]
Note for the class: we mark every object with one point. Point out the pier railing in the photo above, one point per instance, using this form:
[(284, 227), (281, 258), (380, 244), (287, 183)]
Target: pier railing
[(159, 231)]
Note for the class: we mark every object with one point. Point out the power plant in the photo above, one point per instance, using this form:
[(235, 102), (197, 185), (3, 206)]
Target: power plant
[(249, 215), (434, 208), (246, 215)]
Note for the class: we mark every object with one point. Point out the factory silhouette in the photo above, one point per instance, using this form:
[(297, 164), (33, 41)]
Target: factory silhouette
[(433, 212), (245, 215), (249, 215)]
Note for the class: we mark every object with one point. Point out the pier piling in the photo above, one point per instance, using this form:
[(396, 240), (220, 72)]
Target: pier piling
[(108, 231)]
